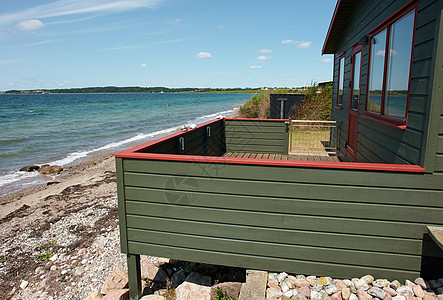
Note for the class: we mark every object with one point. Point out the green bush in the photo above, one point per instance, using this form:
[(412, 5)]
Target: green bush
[(317, 104)]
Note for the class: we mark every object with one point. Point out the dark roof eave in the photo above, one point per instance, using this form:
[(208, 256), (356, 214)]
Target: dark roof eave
[(342, 12)]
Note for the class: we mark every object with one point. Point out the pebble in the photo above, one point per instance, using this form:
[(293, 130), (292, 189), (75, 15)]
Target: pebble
[(24, 284)]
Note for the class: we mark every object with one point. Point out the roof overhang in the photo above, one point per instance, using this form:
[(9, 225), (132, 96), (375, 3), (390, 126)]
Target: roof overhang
[(343, 11)]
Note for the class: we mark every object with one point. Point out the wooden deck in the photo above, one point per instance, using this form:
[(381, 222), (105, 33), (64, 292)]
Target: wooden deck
[(312, 157)]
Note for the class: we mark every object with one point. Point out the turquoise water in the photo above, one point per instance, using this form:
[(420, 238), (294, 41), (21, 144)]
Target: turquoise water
[(65, 129)]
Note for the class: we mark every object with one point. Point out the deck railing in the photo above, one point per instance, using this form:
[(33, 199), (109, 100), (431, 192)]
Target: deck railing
[(307, 136)]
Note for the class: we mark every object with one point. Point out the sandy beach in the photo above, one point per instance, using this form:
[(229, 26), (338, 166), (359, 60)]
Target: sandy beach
[(61, 237)]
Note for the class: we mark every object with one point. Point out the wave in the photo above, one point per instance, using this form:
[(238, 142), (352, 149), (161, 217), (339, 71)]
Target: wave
[(15, 180)]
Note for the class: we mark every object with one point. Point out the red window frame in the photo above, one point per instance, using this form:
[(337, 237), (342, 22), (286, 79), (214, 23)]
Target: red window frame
[(380, 117), (337, 104)]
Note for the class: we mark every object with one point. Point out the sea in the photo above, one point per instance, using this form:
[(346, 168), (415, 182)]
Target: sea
[(66, 129)]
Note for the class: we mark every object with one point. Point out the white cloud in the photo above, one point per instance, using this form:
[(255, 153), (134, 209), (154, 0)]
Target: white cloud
[(326, 60), (203, 55), (392, 53), (262, 57), (176, 21), (265, 51), (71, 7), (143, 65), (256, 67), (221, 27), (298, 44), (29, 25)]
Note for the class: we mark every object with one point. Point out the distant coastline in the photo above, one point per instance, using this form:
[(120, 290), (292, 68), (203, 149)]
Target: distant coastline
[(135, 89)]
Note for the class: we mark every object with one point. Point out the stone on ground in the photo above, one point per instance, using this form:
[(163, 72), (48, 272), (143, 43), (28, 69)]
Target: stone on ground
[(117, 280), (152, 272), (230, 289), (255, 286), (120, 294)]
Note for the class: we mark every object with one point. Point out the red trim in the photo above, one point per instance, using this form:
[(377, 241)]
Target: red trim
[(274, 162), (330, 26), (376, 118), (134, 154), (246, 119)]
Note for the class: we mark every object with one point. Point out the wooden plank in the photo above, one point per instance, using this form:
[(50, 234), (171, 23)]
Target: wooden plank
[(285, 251), (254, 148), (265, 156), (291, 205), (268, 263), (256, 135), (271, 156), (286, 174), (278, 220), (246, 142), (308, 238), (255, 124)]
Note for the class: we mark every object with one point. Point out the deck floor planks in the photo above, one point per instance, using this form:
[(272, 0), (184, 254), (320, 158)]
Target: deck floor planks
[(281, 157)]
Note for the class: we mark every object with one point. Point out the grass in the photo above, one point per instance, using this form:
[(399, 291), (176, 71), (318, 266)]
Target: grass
[(4, 260), (44, 256), (47, 248), (309, 139), (221, 296)]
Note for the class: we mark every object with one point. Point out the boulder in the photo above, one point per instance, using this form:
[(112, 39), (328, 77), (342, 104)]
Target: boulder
[(117, 280), (121, 294), (199, 279), (188, 290), (95, 296), (47, 169), (151, 272), (230, 289), (29, 169)]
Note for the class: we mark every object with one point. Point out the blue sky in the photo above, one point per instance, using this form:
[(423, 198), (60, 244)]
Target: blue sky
[(172, 43)]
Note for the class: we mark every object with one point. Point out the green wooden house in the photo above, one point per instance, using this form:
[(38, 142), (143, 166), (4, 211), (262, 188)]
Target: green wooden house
[(228, 193)]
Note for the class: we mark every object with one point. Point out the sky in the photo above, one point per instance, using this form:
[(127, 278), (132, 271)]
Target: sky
[(49, 44)]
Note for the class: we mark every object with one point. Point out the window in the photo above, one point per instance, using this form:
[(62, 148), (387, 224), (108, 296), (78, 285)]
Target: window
[(341, 81), (389, 69)]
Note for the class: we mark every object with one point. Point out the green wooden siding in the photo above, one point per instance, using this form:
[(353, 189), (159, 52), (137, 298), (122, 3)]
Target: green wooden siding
[(207, 141), (310, 221), (256, 136), (379, 143)]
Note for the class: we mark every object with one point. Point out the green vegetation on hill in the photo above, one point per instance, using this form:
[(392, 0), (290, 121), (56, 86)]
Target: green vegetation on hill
[(317, 104), (133, 89)]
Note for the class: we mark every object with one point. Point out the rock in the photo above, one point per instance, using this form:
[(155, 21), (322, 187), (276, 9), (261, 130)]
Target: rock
[(410, 297), (409, 283), (346, 293), (290, 282), (399, 297), (81, 251), (347, 282), (440, 297), (230, 289), (377, 292), (284, 286), (46, 169), (255, 285), (395, 284), (301, 282), (29, 169), (390, 291), (146, 289), (39, 270), (273, 293), (362, 295), (387, 297), (199, 279), (380, 283), (322, 295), (336, 296), (153, 297), (273, 284), (95, 296), (430, 297), (340, 284), (305, 291), (290, 293), (324, 280), (120, 294), (353, 297), (151, 272), (434, 284), (331, 289), (404, 291), (440, 290), (297, 296), (282, 276), (189, 290), (24, 284), (418, 291), (53, 268), (311, 279), (317, 287), (361, 284), (178, 278), (272, 276), (368, 279), (117, 280), (421, 282)]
